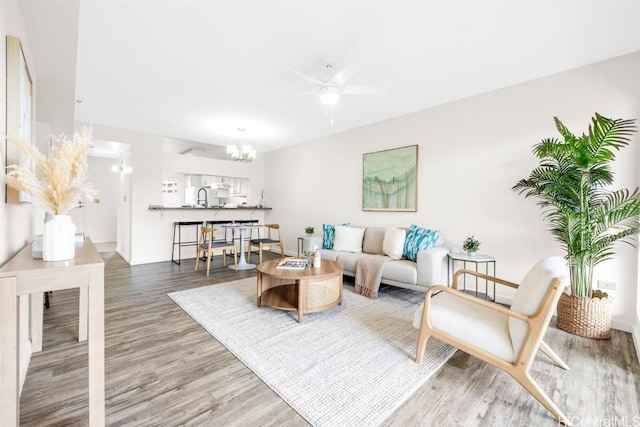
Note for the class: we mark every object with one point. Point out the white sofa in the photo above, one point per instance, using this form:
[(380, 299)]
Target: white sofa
[(429, 269)]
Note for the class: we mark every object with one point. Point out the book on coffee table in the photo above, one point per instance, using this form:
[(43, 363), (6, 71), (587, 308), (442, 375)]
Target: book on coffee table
[(292, 264)]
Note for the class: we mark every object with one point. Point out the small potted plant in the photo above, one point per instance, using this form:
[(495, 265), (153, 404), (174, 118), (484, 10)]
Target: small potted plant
[(309, 230), (308, 256), (471, 245)]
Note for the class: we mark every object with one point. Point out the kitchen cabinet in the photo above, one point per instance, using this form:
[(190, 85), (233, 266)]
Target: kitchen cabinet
[(225, 185)]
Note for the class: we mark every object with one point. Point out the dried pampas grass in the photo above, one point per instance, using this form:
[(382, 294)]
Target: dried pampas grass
[(59, 183)]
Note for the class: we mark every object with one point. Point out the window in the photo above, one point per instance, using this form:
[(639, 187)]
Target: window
[(170, 189)]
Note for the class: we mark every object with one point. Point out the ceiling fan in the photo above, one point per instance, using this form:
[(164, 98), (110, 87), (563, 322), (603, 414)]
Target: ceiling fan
[(333, 84)]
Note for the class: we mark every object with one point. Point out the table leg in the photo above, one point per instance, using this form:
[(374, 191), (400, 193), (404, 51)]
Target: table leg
[(242, 262), (302, 299), (37, 307), (9, 354), (96, 347), (83, 310), (259, 290)]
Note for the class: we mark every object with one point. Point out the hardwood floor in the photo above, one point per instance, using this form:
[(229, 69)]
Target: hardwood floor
[(163, 369)]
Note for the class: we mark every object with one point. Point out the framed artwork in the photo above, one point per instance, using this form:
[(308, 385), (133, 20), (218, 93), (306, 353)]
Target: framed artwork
[(19, 119), (390, 180)]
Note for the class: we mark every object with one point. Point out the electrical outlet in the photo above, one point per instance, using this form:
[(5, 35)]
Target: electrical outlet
[(603, 284)]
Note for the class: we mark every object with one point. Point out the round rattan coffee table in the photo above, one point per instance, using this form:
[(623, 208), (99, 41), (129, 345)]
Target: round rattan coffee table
[(308, 290)]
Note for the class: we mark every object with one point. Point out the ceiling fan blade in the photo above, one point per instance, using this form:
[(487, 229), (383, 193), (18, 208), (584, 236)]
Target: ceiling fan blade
[(346, 72), (305, 76), (364, 90)]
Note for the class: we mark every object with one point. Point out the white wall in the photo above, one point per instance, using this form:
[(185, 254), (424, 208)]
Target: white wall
[(100, 220), (123, 209), (16, 221), (178, 164), (145, 180), (145, 236), (471, 152)]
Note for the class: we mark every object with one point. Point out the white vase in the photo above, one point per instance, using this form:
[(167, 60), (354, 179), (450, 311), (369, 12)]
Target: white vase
[(58, 238)]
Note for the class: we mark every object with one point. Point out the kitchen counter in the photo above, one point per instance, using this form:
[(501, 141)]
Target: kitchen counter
[(200, 208), (180, 225)]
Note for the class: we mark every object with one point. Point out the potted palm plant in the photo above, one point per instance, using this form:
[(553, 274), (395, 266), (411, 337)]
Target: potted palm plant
[(583, 215)]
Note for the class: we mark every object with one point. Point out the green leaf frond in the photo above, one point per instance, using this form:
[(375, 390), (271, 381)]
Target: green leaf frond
[(562, 129), (606, 134), (570, 185)]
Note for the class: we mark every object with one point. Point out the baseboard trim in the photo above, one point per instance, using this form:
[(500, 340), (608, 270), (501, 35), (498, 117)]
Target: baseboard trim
[(621, 325), (126, 258), (635, 334)]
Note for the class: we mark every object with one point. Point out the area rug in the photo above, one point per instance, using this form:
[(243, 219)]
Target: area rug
[(352, 365)]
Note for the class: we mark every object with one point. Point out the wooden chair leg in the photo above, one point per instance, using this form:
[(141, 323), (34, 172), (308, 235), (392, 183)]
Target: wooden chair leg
[(281, 250), (235, 259), (534, 389), (224, 257), (260, 253), (425, 333), (208, 263), (197, 259), (553, 356), (247, 242)]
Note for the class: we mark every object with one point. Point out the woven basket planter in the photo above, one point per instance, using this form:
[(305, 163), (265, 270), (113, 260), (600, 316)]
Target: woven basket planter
[(584, 316)]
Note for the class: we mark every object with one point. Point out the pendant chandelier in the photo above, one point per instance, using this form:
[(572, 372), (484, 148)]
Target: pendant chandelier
[(242, 152)]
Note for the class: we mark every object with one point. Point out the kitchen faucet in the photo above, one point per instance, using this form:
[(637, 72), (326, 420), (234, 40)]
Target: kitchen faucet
[(206, 202)]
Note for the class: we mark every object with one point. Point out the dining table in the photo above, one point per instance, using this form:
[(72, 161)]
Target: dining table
[(242, 229)]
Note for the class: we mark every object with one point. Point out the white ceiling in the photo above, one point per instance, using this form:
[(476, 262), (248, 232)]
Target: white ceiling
[(198, 70)]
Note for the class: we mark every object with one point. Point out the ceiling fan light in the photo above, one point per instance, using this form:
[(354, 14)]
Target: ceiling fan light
[(329, 95)]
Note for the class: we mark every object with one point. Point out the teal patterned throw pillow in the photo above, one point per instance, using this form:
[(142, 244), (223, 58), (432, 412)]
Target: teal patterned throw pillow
[(419, 239), (328, 234)]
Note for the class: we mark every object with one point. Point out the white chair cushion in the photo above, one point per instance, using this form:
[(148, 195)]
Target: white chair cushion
[(479, 326), (393, 243), (348, 239), (530, 294)]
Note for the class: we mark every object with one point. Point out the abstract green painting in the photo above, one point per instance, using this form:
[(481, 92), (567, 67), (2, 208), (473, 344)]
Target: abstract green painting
[(390, 180)]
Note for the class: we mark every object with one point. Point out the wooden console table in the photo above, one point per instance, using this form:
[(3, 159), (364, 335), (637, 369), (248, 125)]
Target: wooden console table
[(25, 275)]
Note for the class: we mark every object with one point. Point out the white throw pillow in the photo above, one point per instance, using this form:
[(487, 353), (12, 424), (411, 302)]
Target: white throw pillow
[(393, 243), (348, 239)]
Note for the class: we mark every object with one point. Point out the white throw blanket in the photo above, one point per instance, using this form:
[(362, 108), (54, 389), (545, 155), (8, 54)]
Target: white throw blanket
[(369, 274)]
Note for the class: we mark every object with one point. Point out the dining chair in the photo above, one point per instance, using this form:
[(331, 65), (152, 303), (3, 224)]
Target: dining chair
[(272, 239), (207, 246)]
